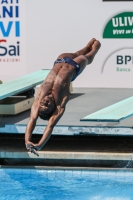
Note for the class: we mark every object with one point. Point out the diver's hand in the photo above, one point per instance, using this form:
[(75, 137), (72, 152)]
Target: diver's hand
[(32, 148)]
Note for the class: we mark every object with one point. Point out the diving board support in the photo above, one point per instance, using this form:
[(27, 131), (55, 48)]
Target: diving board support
[(114, 113), (15, 105)]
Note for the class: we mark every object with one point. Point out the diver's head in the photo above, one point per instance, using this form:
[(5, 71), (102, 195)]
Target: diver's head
[(47, 107)]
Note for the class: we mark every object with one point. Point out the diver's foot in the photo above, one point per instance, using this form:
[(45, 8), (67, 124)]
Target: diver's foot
[(94, 49), (96, 46), (89, 45)]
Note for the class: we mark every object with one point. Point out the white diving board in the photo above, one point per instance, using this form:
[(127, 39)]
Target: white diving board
[(23, 83), (114, 113)]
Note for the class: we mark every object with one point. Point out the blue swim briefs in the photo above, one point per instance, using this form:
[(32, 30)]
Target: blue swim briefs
[(71, 62)]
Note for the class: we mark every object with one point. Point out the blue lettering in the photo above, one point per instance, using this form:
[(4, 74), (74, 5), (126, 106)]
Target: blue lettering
[(17, 11), (119, 60), (127, 59), (18, 50), (9, 1), (5, 51), (6, 32), (17, 29), (10, 13), (12, 1), (12, 50), (4, 1)]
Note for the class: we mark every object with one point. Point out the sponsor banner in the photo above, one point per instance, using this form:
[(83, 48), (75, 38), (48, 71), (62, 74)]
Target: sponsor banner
[(12, 39), (120, 61), (119, 26), (118, 68), (118, 65)]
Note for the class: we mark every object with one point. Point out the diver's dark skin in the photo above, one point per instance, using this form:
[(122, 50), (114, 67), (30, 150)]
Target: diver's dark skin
[(53, 93)]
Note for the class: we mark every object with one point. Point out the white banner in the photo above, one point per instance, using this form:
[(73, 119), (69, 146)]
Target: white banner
[(12, 39)]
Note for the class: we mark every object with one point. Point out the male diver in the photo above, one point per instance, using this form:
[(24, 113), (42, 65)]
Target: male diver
[(53, 93)]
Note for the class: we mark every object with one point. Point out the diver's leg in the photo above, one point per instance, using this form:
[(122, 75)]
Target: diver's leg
[(83, 51), (87, 58)]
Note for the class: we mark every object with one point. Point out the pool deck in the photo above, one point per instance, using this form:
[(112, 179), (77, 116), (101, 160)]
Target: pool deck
[(73, 143)]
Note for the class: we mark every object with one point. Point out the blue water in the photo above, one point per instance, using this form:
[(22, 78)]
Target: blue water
[(32, 184)]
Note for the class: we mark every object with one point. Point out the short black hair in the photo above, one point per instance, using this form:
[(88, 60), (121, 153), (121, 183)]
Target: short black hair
[(45, 116)]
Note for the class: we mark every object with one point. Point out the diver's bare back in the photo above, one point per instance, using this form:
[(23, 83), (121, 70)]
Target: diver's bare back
[(60, 77)]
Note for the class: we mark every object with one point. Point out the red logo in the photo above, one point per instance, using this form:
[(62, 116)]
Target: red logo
[(2, 40)]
